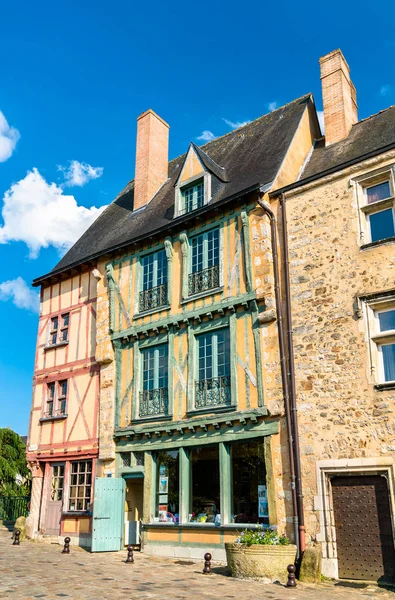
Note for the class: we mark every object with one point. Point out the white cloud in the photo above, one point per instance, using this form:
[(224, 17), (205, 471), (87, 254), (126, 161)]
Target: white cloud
[(272, 105), (385, 90), (9, 137), (40, 214), (320, 115), (78, 174), (206, 136), (237, 124), (20, 293)]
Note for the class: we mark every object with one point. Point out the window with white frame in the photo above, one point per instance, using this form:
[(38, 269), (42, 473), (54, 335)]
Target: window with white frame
[(56, 399), (384, 338), (154, 281), (213, 385), (59, 329), (192, 197), (154, 395), (376, 201), (80, 486), (205, 273)]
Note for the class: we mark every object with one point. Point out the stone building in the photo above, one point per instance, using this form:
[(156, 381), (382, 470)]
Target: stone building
[(341, 234)]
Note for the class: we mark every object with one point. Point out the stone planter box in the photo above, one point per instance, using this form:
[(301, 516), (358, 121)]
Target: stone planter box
[(260, 561)]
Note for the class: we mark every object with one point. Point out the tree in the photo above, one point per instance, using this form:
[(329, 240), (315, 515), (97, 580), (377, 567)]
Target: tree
[(14, 474)]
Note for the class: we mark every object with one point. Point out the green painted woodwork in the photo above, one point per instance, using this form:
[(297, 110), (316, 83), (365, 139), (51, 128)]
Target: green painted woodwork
[(150, 441), (256, 332), (225, 482), (149, 487), (118, 382), (111, 297), (137, 378), (108, 514), (247, 249), (169, 256), (170, 393), (184, 251), (185, 484)]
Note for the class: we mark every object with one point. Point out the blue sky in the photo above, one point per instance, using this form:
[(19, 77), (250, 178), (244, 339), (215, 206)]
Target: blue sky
[(74, 76)]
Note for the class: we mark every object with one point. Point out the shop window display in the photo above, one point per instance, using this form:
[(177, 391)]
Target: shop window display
[(167, 486), (205, 490), (249, 494)]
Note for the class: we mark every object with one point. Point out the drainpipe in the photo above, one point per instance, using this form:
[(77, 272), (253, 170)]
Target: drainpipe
[(284, 375), (292, 387)]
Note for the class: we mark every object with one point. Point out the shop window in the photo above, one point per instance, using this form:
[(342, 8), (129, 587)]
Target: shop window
[(205, 262), (154, 284), (205, 485), (80, 485), (167, 486), (249, 493)]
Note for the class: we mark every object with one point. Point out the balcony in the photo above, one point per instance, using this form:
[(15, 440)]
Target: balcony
[(203, 280), (153, 298), (154, 403), (213, 392)]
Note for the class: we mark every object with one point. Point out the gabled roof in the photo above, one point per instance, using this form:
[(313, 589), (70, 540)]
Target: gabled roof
[(210, 164), (367, 138), (250, 156)]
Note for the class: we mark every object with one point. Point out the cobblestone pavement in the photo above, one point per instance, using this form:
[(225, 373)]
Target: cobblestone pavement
[(39, 570)]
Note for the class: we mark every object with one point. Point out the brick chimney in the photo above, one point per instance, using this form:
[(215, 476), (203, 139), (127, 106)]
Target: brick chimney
[(339, 97), (152, 156)]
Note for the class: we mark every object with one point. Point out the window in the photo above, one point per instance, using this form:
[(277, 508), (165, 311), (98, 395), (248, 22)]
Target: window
[(57, 483), (249, 491), (204, 262), (212, 387), (378, 209), (192, 197), (59, 329), (167, 486), (80, 485), (205, 486), (56, 399), (385, 340), (154, 397), (154, 292)]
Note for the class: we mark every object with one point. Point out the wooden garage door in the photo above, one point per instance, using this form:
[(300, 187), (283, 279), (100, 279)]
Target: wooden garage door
[(365, 546)]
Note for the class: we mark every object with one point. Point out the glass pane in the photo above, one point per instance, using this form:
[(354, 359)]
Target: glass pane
[(148, 271), (204, 464), (197, 253), (249, 494), (62, 388), (80, 505), (51, 390), (389, 361), (73, 480), (54, 323), (213, 248), (65, 320), (89, 466), (59, 495), (81, 479), (387, 320), (61, 470), (167, 486), (382, 225), (378, 192), (74, 467), (73, 491), (81, 467), (64, 335), (53, 338)]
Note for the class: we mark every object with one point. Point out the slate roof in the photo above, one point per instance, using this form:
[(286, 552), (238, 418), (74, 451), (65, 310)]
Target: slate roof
[(244, 159), (368, 137)]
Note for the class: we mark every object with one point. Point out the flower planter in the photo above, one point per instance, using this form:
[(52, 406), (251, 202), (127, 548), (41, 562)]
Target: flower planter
[(260, 561)]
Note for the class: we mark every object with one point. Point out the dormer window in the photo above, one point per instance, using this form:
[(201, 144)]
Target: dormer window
[(192, 197)]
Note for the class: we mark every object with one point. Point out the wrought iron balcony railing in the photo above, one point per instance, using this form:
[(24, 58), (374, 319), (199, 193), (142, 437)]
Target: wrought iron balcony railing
[(153, 298), (213, 392), (154, 402), (203, 280)]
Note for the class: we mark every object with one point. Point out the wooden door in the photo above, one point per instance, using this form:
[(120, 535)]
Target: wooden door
[(108, 514), (55, 500), (365, 545)]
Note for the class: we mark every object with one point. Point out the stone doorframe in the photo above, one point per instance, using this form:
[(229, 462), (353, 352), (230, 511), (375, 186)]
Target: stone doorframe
[(323, 503)]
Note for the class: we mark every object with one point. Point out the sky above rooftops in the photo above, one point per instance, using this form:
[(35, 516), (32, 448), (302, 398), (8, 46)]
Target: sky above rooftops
[(74, 77)]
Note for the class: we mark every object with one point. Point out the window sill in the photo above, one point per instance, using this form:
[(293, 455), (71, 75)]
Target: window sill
[(212, 409), (389, 240), (151, 311), (54, 418), (151, 419), (58, 345), (210, 292), (382, 387)]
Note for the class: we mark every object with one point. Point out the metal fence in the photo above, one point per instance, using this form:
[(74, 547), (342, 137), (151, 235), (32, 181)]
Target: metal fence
[(13, 507)]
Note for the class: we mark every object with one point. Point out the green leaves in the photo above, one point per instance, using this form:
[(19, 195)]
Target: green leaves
[(14, 474), (266, 537)]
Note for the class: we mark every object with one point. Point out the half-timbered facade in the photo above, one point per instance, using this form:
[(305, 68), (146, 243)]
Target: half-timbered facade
[(63, 434)]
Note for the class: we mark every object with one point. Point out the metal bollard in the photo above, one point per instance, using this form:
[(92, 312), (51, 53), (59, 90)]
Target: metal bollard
[(291, 576), (207, 564), (66, 548), (16, 541), (130, 558)]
